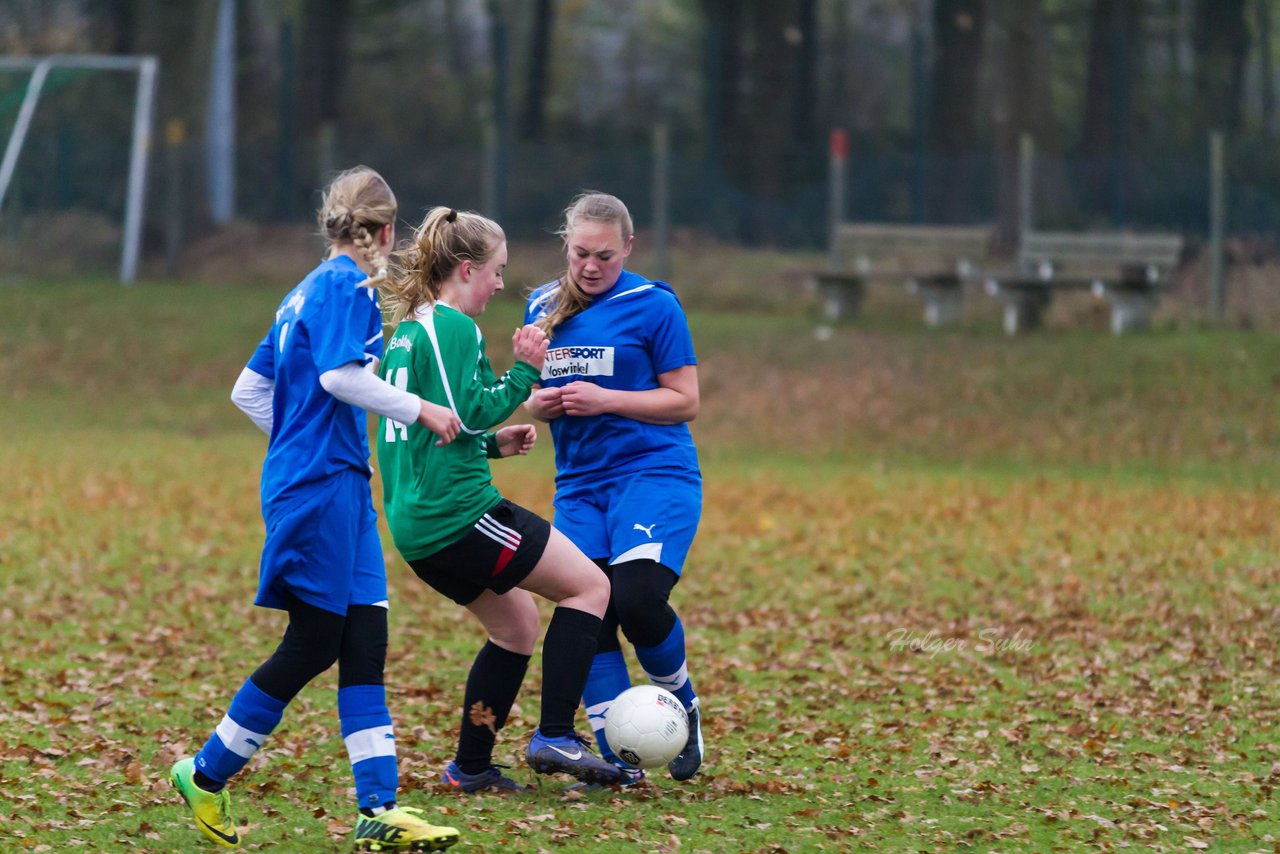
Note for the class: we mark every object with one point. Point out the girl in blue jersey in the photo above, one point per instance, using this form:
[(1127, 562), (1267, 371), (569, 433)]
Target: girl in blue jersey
[(308, 386), (619, 386)]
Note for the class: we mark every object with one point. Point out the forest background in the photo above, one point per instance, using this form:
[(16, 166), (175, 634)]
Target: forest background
[(512, 105)]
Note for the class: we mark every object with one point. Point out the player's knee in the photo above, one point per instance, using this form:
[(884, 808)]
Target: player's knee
[(518, 631), (363, 654), (640, 592)]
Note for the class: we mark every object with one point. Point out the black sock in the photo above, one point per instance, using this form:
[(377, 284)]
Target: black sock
[(209, 785), (492, 686), (369, 812), (567, 651)]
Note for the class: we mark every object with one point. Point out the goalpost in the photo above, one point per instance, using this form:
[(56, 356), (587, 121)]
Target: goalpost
[(40, 67)]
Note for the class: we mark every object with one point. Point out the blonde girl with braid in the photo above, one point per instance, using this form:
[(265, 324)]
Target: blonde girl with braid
[(455, 529), (308, 387)]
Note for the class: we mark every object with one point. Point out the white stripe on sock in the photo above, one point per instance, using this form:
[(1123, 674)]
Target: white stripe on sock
[(673, 682), (369, 743), (240, 741), (596, 713)]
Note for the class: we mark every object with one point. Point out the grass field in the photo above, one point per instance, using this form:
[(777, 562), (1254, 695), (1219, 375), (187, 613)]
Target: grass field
[(951, 591)]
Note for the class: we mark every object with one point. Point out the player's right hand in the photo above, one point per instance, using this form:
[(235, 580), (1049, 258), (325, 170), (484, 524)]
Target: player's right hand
[(544, 403), (529, 344), (439, 420)]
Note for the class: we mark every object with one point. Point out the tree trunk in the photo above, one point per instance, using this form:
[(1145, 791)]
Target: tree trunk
[(323, 53), (1110, 117), (1221, 44), (1266, 63), (958, 27), (534, 119), (1022, 104)]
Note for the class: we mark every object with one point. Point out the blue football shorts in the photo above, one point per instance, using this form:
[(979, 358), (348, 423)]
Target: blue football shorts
[(324, 548), (650, 515)]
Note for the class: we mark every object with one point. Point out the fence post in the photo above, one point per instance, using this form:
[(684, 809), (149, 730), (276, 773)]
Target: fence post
[(839, 154), (1217, 213), (1026, 178), (661, 201), (220, 151)]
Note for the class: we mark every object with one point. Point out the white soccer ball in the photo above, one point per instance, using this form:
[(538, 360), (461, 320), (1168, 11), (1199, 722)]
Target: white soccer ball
[(646, 726)]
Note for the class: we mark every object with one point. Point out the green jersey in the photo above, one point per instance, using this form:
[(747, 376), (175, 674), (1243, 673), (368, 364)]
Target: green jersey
[(433, 495)]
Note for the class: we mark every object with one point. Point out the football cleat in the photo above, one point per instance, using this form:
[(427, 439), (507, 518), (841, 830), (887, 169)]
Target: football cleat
[(689, 760), (490, 779), (401, 829), (211, 811), (630, 777), (570, 754)]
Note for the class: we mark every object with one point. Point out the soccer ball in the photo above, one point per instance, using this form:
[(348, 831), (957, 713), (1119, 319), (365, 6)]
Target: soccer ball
[(646, 726)]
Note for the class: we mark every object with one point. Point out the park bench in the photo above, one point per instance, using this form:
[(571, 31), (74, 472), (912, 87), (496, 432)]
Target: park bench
[(1125, 268), (935, 261)]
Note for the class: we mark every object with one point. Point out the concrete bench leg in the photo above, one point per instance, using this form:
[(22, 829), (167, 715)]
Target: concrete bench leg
[(1024, 310), (943, 302), (841, 296), (1131, 310)]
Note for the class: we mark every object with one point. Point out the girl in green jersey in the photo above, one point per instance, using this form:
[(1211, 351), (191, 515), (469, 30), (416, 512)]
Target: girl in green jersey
[(451, 524)]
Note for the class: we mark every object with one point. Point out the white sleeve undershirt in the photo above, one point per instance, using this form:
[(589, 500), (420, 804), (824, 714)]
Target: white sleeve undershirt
[(253, 394), (353, 383)]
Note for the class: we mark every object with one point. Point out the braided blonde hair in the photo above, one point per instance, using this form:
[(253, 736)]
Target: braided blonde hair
[(357, 205), (445, 239), (590, 206)]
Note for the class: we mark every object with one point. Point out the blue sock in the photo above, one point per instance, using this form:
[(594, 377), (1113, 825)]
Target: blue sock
[(608, 678), (243, 729), (371, 743), (666, 667)]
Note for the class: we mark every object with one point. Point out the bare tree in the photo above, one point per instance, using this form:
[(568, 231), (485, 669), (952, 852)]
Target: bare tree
[(958, 27), (1110, 120), (1221, 43), (533, 120)]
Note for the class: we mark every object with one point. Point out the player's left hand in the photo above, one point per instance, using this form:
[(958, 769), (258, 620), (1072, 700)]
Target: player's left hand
[(516, 439), (583, 398)]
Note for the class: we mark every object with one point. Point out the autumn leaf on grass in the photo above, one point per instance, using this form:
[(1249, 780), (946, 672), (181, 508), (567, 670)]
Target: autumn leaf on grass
[(482, 715)]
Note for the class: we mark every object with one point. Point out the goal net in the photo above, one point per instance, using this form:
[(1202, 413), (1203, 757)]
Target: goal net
[(74, 170)]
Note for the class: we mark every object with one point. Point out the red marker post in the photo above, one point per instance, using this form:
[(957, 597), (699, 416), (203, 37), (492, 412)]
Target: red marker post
[(839, 155)]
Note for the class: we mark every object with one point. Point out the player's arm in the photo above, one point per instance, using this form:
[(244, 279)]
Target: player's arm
[(253, 394), (352, 383), (674, 401), (483, 400)]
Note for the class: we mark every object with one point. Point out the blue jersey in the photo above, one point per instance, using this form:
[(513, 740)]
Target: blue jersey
[(622, 340), (325, 322)]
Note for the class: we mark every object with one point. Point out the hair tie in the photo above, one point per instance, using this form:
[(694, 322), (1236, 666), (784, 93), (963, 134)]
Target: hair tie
[(451, 216)]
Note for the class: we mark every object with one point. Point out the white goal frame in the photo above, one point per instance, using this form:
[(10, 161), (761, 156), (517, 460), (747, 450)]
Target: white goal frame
[(146, 66)]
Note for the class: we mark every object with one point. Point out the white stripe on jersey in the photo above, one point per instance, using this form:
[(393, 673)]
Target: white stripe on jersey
[(373, 338), (644, 551), (540, 301), (498, 532), (429, 325), (634, 290), (240, 741), (370, 743), (673, 682)]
